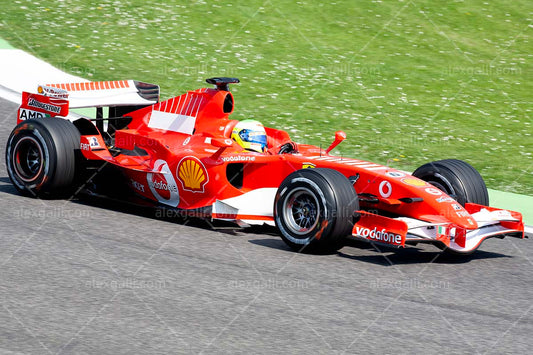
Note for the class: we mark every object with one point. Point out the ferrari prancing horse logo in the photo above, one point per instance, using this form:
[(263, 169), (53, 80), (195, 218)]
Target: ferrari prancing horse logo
[(192, 174)]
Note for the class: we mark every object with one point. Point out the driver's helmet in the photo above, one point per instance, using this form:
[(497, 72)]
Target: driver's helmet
[(251, 135)]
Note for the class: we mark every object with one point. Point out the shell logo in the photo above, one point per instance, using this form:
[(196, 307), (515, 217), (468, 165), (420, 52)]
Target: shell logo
[(192, 174), (414, 182)]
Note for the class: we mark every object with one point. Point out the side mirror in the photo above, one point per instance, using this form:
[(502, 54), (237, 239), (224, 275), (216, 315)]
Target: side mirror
[(221, 144), (339, 137)]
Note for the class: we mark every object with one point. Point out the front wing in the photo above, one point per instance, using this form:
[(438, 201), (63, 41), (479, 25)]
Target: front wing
[(402, 231)]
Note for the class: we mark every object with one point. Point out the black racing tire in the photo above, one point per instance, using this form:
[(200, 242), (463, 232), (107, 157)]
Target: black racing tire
[(456, 178), (314, 210), (41, 157)]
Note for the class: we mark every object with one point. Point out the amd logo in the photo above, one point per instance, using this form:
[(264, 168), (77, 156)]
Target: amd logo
[(27, 114)]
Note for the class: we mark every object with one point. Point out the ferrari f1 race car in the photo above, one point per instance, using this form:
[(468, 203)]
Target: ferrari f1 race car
[(179, 153)]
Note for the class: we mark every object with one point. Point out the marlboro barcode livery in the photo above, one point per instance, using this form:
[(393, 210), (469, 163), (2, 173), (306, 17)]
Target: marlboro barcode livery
[(186, 154)]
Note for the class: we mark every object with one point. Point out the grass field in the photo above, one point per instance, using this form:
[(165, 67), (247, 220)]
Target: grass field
[(408, 81)]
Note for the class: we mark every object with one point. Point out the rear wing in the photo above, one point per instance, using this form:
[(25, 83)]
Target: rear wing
[(109, 93), (57, 99)]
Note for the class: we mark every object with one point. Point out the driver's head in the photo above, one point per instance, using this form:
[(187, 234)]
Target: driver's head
[(251, 135)]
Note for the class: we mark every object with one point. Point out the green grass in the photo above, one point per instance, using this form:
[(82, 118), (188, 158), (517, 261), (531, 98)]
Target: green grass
[(408, 81)]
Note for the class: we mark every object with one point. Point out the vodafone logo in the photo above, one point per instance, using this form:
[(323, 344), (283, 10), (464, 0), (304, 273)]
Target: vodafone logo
[(382, 235), (238, 158), (163, 185), (385, 189)]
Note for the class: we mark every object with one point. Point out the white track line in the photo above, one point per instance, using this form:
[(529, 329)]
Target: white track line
[(20, 71)]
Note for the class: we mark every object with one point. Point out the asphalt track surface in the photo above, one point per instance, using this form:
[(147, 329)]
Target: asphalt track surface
[(97, 277)]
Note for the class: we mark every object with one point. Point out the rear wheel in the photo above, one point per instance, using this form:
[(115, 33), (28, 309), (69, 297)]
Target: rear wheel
[(41, 156), (456, 178), (314, 209)]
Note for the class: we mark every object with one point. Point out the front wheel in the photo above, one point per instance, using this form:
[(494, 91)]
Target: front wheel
[(456, 178), (314, 209)]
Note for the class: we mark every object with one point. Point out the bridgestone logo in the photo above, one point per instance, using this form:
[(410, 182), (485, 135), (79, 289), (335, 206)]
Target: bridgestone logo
[(379, 236), (162, 186), (43, 106)]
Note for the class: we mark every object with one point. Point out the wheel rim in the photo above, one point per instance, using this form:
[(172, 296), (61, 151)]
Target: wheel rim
[(301, 211), (28, 159), (446, 188)]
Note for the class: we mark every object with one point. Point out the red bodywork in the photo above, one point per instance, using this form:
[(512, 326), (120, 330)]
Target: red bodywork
[(187, 160)]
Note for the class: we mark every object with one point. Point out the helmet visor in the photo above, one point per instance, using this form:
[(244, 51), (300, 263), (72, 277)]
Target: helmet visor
[(251, 136)]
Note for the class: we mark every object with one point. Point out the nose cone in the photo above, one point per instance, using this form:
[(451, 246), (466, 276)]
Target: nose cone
[(447, 210), (456, 214)]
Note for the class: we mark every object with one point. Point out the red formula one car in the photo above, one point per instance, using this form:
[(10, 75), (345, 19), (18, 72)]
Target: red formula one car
[(178, 153)]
